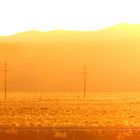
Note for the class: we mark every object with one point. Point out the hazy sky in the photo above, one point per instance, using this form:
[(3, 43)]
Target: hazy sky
[(22, 15)]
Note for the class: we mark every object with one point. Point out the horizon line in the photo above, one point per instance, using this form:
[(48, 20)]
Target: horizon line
[(67, 30)]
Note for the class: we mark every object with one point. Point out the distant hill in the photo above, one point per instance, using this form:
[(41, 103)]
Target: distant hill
[(53, 61), (115, 32)]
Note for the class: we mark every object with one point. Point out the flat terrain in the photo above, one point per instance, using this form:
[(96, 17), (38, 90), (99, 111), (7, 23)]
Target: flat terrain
[(69, 111)]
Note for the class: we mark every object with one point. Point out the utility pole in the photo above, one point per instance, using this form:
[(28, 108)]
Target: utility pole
[(85, 80), (5, 77), (5, 66)]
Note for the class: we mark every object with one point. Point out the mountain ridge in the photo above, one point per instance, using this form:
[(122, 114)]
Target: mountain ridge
[(118, 31)]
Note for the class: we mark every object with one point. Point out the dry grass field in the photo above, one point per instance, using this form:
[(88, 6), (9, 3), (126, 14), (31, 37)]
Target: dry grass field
[(62, 112)]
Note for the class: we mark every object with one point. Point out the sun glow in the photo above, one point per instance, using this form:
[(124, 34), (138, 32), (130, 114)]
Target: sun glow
[(45, 15)]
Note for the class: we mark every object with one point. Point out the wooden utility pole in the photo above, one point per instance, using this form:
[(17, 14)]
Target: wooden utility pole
[(85, 80), (5, 77), (5, 69)]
